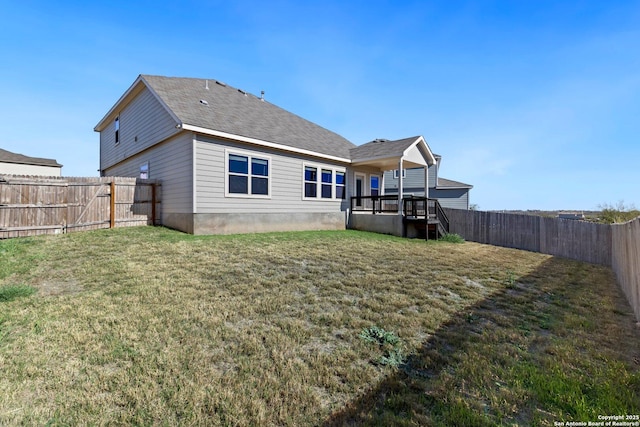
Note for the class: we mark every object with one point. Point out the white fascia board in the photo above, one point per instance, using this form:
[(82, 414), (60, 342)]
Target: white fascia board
[(262, 143), (375, 160), (452, 188)]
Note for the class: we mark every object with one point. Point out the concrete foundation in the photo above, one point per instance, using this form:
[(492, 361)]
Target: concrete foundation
[(262, 223), (379, 223), (178, 221)]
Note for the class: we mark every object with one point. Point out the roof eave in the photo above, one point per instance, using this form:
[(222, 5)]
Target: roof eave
[(262, 143), (28, 163)]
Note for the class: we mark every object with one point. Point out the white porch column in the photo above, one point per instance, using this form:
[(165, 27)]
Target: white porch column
[(400, 186), (426, 181)]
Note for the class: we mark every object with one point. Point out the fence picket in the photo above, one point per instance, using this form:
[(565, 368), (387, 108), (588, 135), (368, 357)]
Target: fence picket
[(31, 205), (616, 246)]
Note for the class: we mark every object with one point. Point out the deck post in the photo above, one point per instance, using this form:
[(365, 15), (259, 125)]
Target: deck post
[(426, 202)]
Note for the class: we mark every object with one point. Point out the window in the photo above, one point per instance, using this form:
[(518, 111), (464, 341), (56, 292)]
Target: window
[(144, 171), (260, 176), (340, 193), (117, 128), (310, 181), (375, 185), (395, 173), (247, 175), (323, 183), (327, 180)]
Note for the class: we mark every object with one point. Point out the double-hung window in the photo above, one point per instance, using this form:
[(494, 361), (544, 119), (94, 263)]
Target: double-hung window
[(323, 183), (247, 175), (327, 181), (310, 182), (340, 182)]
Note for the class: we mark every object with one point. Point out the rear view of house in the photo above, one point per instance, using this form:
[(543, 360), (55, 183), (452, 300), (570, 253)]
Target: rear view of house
[(231, 162)]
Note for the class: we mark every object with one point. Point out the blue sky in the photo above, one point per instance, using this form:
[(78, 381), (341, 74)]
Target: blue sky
[(535, 103)]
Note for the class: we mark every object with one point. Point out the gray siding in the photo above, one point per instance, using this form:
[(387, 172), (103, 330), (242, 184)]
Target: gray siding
[(171, 162), (413, 181), (454, 198), (143, 123), (286, 182)]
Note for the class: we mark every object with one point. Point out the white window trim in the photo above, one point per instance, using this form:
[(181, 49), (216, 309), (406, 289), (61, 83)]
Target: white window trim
[(249, 155), (319, 167), (395, 173)]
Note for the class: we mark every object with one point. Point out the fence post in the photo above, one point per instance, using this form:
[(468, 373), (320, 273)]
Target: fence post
[(153, 204), (112, 214)]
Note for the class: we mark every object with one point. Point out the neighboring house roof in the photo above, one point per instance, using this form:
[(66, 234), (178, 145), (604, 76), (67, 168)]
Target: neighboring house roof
[(9, 157), (201, 105), (447, 183), (385, 151)]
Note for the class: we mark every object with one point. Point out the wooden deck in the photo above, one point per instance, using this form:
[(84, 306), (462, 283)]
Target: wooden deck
[(421, 217)]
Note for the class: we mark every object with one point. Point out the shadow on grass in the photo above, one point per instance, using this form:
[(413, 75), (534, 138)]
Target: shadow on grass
[(546, 347)]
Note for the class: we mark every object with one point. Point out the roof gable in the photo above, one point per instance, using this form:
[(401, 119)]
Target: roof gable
[(209, 104), (384, 153)]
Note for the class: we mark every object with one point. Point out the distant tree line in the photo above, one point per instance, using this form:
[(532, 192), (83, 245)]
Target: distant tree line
[(611, 214)]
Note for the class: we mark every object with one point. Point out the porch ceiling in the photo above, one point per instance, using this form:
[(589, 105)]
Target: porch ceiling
[(388, 163)]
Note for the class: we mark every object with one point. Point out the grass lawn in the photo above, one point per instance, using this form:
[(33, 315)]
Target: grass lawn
[(148, 326)]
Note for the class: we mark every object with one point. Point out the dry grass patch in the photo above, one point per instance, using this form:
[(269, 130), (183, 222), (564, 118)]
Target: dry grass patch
[(158, 327)]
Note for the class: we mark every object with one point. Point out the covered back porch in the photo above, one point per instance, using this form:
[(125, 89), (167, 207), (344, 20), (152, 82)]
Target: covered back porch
[(395, 214)]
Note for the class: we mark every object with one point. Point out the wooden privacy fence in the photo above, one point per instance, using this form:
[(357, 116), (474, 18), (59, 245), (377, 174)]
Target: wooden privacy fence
[(626, 260), (616, 246), (31, 205)]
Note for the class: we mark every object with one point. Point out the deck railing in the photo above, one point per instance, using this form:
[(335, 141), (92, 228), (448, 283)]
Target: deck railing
[(374, 204), (422, 207), (414, 207)]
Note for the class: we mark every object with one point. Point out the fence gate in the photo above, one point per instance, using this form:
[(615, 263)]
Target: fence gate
[(32, 205)]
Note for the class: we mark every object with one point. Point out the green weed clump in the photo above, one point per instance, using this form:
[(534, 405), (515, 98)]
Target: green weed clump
[(615, 214), (11, 292), (388, 342), (452, 238)]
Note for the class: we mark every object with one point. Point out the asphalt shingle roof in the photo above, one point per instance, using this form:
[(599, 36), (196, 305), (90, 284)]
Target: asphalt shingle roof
[(381, 148), (227, 109), (9, 157), (444, 183)]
